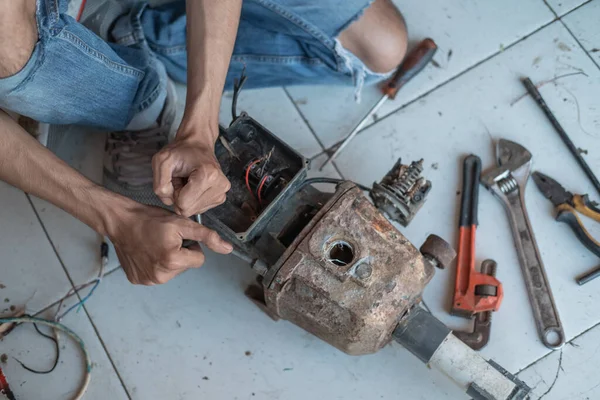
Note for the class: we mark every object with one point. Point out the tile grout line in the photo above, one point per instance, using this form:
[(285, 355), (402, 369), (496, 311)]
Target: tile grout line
[(310, 128), (121, 380), (477, 64), (77, 293), (463, 72), (553, 351), (556, 19), (47, 308), (578, 41), (567, 12)]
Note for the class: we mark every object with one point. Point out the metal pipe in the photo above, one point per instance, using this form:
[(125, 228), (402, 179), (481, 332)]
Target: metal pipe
[(434, 344), (534, 92), (589, 276)]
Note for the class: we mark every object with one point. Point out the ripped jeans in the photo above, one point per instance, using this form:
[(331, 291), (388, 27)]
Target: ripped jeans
[(75, 77)]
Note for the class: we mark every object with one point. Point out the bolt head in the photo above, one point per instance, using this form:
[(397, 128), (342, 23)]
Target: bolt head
[(363, 271)]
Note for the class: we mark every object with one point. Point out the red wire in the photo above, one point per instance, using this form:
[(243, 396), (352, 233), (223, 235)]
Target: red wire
[(4, 388), (81, 7), (260, 186), (248, 175)]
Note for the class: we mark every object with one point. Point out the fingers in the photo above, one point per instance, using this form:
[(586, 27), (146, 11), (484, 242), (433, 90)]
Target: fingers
[(174, 264), (180, 261), (162, 277), (203, 191), (193, 231), (192, 257), (212, 198), (163, 166)]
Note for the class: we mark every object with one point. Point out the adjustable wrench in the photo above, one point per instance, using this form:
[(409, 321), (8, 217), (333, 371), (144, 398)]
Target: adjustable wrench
[(507, 182)]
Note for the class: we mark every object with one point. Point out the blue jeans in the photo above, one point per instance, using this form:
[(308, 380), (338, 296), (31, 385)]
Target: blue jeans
[(75, 77)]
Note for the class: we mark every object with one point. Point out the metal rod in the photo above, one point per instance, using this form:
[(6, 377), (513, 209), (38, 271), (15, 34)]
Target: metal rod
[(534, 92), (589, 276), (354, 131)]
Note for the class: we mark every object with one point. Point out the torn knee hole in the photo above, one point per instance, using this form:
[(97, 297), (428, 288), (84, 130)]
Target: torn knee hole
[(379, 38)]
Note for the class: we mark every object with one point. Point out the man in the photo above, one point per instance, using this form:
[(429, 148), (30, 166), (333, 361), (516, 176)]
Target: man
[(111, 71)]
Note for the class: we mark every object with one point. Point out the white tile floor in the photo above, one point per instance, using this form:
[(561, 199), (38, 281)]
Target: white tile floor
[(190, 338)]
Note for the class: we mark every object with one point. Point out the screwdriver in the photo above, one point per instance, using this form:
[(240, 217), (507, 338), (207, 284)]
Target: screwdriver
[(414, 63)]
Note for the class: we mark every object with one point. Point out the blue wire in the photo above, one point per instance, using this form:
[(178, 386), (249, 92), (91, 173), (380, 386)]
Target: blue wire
[(80, 303)]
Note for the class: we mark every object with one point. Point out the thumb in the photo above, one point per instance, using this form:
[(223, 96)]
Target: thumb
[(194, 231), (162, 166)]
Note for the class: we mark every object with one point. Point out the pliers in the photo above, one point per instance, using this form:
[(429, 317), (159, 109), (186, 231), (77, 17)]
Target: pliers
[(567, 205)]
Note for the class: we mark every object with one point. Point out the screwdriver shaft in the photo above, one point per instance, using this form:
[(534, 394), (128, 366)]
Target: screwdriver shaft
[(355, 131)]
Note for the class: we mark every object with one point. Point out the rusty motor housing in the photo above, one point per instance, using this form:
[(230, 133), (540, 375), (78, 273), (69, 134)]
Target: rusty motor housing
[(330, 263), (349, 277), (334, 265)]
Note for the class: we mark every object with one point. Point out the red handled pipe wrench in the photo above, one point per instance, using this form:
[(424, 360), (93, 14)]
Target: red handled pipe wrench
[(475, 292)]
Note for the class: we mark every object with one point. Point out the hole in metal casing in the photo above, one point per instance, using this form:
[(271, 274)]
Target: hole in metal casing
[(341, 253)]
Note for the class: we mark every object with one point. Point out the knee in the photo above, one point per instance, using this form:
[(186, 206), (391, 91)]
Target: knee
[(18, 36), (379, 37)]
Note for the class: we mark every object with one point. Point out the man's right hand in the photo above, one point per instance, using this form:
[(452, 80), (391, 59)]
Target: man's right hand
[(148, 242), (148, 239)]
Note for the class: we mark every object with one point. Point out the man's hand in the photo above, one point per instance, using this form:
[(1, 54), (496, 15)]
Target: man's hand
[(188, 176), (148, 239), (149, 242), (186, 173)]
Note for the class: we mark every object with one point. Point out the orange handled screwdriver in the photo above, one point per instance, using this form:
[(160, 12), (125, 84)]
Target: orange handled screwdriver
[(475, 292), (414, 63)]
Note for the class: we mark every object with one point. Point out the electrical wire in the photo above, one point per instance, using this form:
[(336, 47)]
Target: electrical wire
[(5, 387), (260, 187), (248, 175), (71, 293), (57, 350), (79, 304), (237, 88), (334, 181), (59, 327), (96, 281)]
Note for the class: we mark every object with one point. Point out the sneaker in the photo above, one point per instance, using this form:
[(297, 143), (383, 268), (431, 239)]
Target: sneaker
[(100, 15), (128, 155)]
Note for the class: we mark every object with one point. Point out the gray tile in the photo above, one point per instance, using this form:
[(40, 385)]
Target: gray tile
[(577, 378), (30, 273), (561, 7), (583, 22), (205, 340), (466, 32), (76, 243)]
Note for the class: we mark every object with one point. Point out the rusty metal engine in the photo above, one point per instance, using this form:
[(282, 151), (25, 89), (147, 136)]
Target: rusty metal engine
[(332, 263)]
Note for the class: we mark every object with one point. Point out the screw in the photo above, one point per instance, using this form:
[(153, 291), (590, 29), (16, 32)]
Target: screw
[(363, 271)]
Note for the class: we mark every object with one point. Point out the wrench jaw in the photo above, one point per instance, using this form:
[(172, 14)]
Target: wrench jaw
[(512, 160), (512, 155), (512, 173)]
